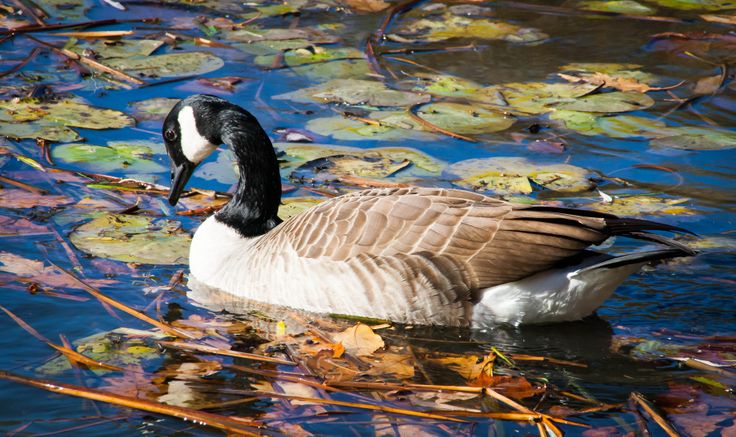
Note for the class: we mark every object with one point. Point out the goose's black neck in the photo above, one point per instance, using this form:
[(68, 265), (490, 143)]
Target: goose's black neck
[(254, 207)]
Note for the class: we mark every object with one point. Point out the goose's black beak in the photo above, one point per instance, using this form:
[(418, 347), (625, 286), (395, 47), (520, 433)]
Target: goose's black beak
[(180, 175)]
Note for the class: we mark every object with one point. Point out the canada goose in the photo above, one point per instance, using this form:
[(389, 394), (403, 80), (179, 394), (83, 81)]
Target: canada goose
[(411, 255)]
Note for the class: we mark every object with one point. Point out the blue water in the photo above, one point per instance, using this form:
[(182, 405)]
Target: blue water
[(693, 297)]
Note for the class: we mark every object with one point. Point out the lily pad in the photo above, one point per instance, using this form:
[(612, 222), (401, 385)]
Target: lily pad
[(153, 109), (391, 125), (626, 7), (119, 49), (169, 65), (128, 156), (355, 92), (342, 69), (694, 138), (254, 35), (540, 97), (464, 119), (706, 5), (302, 56), (133, 238), (448, 86), (68, 113), (513, 175), (619, 126), (609, 102), (292, 206), (296, 154), (618, 71), (449, 26), (366, 165), (34, 130), (644, 205)]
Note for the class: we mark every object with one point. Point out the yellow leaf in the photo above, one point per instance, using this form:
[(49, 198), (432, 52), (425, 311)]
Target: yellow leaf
[(359, 340)]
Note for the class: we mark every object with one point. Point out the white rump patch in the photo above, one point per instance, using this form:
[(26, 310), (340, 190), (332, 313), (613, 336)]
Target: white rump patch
[(195, 147)]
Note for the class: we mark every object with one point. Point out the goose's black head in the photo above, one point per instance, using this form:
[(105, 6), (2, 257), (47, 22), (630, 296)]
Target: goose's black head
[(192, 131)]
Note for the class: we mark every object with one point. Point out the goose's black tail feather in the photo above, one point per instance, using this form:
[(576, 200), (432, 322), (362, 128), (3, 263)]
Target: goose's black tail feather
[(626, 226)]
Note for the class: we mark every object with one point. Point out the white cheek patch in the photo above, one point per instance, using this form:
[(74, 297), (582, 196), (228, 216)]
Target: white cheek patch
[(195, 147)]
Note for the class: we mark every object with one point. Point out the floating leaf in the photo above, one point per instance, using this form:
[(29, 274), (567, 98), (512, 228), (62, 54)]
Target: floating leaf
[(312, 55), (343, 69), (118, 49), (34, 130), (366, 165), (449, 26), (129, 156), (694, 138), (292, 206), (14, 198), (133, 238), (153, 109), (540, 97), (464, 119), (66, 113), (391, 125), (644, 205), (359, 340), (300, 153), (513, 175), (706, 5), (254, 35), (609, 102), (626, 7), (169, 65), (619, 126), (355, 92), (367, 5), (32, 271)]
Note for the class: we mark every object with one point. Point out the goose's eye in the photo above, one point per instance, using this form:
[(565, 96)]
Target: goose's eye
[(170, 135)]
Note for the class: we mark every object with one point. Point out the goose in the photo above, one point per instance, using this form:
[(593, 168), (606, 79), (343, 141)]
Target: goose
[(410, 255)]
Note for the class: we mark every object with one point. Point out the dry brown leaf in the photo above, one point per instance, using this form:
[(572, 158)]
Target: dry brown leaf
[(33, 271), (367, 5), (708, 85), (723, 19), (470, 367), (19, 226), (389, 363), (12, 198), (514, 387), (359, 340), (605, 80)]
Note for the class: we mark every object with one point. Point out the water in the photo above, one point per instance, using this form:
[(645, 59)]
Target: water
[(677, 304)]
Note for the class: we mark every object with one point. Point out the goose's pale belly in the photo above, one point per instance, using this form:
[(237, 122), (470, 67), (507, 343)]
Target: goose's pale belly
[(277, 275)]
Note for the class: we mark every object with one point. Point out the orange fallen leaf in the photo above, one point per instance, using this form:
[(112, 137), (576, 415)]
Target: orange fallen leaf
[(359, 340)]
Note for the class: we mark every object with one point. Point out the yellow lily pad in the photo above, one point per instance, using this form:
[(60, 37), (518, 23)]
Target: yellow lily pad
[(644, 205), (627, 7), (449, 26), (292, 206), (355, 92), (67, 113), (514, 175), (609, 102), (35, 130), (133, 238)]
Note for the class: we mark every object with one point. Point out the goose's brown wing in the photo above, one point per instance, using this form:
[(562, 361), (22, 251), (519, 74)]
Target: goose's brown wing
[(445, 236)]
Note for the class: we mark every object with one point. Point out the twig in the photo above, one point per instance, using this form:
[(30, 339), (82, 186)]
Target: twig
[(436, 128), (22, 185), (219, 351), (23, 63), (38, 28), (666, 427), (235, 425)]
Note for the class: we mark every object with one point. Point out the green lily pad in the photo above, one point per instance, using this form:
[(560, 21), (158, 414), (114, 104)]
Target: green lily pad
[(364, 164), (464, 119), (35, 130), (448, 86), (119, 49), (694, 138), (619, 126), (133, 238), (619, 71), (513, 175), (253, 35), (296, 154), (609, 102), (108, 348), (302, 56), (169, 65), (540, 97), (393, 125), (153, 109), (355, 92), (292, 206), (644, 205), (342, 69), (705, 5), (627, 7), (449, 26), (128, 156), (68, 113)]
